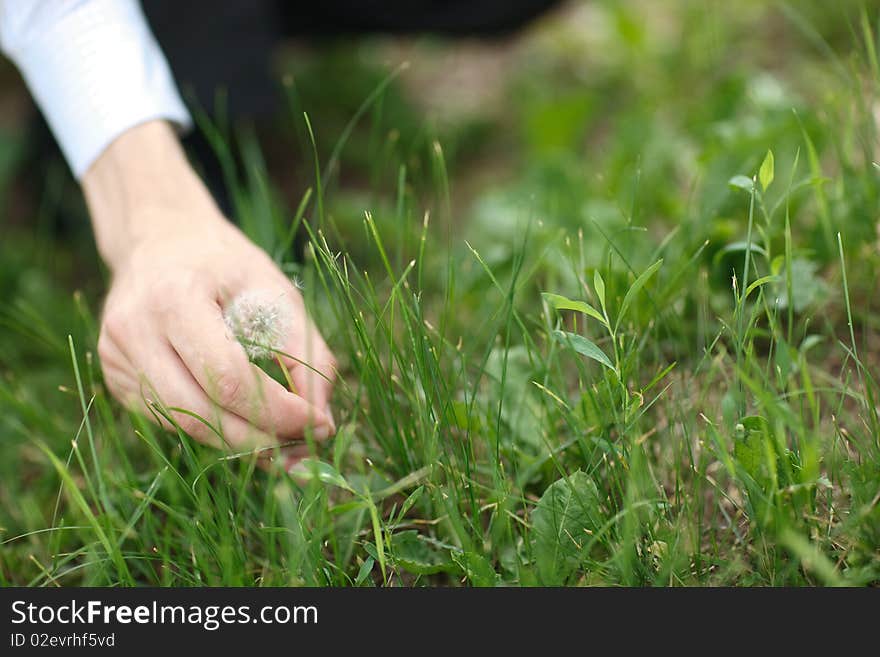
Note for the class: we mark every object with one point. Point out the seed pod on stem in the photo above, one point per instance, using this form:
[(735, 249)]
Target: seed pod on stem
[(260, 321)]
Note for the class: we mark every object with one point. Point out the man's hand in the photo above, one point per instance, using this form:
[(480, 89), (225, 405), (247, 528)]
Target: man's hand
[(176, 263)]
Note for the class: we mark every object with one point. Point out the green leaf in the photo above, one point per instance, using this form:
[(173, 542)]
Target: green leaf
[(807, 285), (634, 289), (749, 451), (750, 446), (365, 570), (420, 555), (522, 410), (599, 285), (563, 521), (560, 302), (476, 567), (766, 173), (309, 469), (785, 358), (777, 265), (738, 247), (410, 501), (584, 347), (809, 342), (742, 182), (758, 283)]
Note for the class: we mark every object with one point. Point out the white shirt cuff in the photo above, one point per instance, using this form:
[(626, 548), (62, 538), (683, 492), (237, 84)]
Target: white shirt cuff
[(94, 68)]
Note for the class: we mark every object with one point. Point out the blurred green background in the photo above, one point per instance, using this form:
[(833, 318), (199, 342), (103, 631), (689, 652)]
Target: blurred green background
[(624, 121)]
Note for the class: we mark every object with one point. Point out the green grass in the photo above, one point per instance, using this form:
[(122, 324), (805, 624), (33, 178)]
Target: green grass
[(620, 332)]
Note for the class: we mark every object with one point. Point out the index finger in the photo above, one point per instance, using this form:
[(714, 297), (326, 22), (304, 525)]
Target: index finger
[(221, 367)]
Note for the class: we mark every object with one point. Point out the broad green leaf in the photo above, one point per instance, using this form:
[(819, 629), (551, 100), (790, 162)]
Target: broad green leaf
[(599, 285), (753, 448), (565, 518), (584, 347), (365, 569), (748, 450), (560, 302), (742, 182), (477, 568), (810, 341), (736, 247), (634, 289), (324, 472), (807, 286), (522, 409), (421, 556), (766, 172)]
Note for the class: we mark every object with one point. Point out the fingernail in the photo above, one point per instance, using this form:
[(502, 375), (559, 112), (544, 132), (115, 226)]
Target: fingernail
[(322, 432), (293, 465), (297, 469)]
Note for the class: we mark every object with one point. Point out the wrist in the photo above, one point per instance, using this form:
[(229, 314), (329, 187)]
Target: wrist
[(138, 190)]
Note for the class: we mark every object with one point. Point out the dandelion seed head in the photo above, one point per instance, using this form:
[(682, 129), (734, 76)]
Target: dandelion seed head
[(260, 321)]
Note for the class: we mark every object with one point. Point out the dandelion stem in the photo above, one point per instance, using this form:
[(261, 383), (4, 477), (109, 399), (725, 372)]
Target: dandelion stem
[(286, 374)]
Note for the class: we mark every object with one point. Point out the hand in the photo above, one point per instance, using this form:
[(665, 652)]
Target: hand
[(176, 263)]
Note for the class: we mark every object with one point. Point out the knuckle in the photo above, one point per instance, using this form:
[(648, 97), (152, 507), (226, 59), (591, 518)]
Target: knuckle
[(165, 286), (162, 298), (189, 425), (113, 328), (230, 390)]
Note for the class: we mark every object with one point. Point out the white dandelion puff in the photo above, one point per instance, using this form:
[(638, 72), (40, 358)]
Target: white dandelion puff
[(260, 321)]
